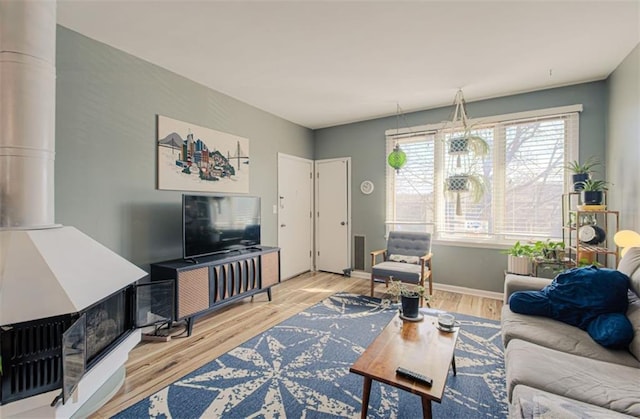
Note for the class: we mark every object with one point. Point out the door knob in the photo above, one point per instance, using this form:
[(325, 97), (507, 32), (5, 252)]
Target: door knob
[(283, 225), (342, 223)]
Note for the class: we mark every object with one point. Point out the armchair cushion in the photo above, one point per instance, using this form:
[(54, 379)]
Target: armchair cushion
[(406, 272)]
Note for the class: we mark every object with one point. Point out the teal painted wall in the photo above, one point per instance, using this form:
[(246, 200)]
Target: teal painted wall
[(623, 140), (107, 102), (106, 107), (364, 142)]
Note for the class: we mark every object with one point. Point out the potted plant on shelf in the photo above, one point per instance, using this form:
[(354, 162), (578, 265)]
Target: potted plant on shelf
[(592, 191), (519, 258), (549, 250), (581, 172), (409, 297)]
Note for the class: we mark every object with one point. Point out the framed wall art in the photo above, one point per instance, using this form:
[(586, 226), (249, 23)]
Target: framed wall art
[(195, 158)]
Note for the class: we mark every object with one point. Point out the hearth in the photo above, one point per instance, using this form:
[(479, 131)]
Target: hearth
[(54, 353), (32, 352)]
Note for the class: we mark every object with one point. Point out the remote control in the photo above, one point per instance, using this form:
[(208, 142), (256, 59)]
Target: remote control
[(414, 375)]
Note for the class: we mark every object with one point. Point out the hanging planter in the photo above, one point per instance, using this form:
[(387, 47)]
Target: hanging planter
[(464, 183), (468, 143), (458, 145)]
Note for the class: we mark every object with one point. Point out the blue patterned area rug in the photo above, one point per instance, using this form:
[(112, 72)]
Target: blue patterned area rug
[(300, 369)]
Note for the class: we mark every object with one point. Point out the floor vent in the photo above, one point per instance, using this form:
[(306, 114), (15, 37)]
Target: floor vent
[(358, 252)]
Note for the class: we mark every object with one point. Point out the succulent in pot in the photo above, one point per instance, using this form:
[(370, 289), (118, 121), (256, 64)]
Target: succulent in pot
[(581, 171), (592, 191)]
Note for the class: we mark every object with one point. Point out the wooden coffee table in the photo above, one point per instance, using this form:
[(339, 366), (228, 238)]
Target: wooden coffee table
[(418, 346)]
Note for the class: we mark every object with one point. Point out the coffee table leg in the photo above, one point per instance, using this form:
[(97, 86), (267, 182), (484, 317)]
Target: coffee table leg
[(426, 408), (453, 364), (366, 391)]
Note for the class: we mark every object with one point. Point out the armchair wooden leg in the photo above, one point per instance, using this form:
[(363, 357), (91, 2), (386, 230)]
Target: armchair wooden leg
[(372, 282)]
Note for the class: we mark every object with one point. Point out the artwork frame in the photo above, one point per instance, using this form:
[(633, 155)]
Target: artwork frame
[(200, 159)]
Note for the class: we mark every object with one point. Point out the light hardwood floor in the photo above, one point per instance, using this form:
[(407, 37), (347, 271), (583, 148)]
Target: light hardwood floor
[(154, 365)]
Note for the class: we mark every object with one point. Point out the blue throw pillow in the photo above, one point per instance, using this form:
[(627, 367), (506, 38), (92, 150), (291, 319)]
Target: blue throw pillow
[(612, 330)]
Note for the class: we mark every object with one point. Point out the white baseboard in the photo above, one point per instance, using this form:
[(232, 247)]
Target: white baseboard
[(445, 287)]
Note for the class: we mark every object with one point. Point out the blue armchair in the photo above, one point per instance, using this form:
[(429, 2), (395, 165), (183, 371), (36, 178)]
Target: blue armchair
[(407, 258)]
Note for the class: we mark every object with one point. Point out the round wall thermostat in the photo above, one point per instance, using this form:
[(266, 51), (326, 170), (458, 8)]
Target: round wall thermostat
[(366, 187)]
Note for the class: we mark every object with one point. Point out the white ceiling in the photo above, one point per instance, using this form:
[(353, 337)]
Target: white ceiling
[(325, 63)]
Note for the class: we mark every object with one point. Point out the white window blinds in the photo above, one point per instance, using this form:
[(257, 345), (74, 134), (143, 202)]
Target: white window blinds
[(410, 191), (523, 174)]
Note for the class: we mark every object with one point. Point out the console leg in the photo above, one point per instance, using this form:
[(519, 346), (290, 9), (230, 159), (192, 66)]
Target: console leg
[(189, 325), (269, 293)]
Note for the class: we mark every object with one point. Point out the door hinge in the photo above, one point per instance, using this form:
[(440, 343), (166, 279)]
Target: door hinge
[(310, 253), (310, 175)]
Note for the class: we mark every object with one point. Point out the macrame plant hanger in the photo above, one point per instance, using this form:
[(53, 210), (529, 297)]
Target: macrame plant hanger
[(463, 151)]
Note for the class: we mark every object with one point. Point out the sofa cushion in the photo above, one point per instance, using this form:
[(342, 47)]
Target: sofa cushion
[(630, 265), (604, 384), (561, 336), (529, 403), (633, 314)]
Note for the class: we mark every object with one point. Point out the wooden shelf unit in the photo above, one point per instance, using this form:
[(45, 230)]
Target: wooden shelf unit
[(606, 254)]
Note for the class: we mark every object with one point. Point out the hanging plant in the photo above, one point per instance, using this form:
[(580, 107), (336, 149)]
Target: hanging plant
[(468, 143), (465, 183)]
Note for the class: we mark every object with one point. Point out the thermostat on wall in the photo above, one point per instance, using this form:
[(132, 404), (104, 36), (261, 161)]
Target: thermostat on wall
[(366, 187)]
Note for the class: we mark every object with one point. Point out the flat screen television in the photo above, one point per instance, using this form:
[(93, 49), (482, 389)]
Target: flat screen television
[(214, 224)]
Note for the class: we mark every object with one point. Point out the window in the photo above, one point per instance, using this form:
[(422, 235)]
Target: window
[(523, 176)]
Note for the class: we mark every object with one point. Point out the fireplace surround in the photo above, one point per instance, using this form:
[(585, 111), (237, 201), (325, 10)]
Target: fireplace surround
[(32, 351)]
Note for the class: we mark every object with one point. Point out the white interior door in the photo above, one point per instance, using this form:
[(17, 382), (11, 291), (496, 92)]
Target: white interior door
[(295, 209), (333, 215)]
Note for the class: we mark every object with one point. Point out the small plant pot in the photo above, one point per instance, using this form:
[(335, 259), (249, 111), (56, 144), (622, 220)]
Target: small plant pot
[(459, 145), (410, 305), (578, 178), (591, 197), (457, 183), (520, 265)]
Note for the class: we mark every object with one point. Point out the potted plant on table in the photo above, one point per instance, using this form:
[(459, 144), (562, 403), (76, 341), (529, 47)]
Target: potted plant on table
[(581, 171), (519, 258), (408, 296)]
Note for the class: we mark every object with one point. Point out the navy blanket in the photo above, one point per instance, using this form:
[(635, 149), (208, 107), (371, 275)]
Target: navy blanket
[(591, 298)]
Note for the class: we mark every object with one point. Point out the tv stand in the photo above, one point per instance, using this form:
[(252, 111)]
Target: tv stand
[(211, 282)]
